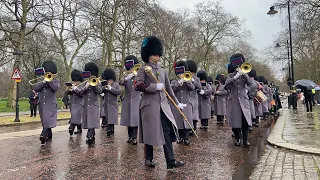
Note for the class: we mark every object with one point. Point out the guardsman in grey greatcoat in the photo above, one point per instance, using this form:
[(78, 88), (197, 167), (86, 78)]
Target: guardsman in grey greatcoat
[(252, 93), (182, 89), (220, 104), (193, 68), (131, 100), (258, 106), (238, 110), (111, 94), (269, 95), (76, 103), (156, 124), (90, 114), (102, 115), (265, 109), (47, 101), (205, 93), (210, 81)]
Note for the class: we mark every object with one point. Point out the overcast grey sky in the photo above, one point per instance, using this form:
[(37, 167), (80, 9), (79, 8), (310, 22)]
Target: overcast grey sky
[(262, 26)]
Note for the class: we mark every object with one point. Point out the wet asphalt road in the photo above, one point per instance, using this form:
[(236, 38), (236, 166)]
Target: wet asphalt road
[(211, 156)]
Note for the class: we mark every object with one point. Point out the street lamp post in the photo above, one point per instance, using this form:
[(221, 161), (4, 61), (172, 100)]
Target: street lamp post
[(18, 55), (272, 12)]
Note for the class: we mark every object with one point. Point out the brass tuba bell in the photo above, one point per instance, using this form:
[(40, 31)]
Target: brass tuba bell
[(246, 67), (187, 76)]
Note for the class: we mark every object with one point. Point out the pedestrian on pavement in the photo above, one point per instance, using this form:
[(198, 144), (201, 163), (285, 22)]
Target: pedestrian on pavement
[(157, 125), (111, 93), (76, 102), (90, 113), (238, 110), (193, 68), (220, 104), (47, 101), (205, 93), (182, 88), (307, 98), (33, 101), (131, 100), (252, 93), (66, 100)]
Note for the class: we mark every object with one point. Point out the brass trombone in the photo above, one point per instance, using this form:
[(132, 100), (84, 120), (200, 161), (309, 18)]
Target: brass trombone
[(93, 81), (135, 70), (48, 77), (246, 67)]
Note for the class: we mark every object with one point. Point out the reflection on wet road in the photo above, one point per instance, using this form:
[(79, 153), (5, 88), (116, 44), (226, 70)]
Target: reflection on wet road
[(211, 156)]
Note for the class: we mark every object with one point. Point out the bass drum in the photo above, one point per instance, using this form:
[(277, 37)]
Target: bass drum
[(261, 97)]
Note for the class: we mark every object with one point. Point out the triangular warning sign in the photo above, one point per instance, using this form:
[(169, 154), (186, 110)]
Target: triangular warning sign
[(16, 74)]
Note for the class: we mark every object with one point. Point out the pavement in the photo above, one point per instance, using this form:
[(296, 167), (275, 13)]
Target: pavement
[(25, 113), (211, 156)]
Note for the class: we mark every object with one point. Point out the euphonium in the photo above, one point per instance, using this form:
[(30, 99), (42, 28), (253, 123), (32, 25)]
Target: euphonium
[(246, 67)]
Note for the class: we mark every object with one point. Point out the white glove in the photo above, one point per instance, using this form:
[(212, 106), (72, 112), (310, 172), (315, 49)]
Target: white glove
[(237, 75), (247, 91), (102, 94), (160, 86), (129, 77), (108, 87), (181, 81), (192, 79), (217, 92), (74, 88), (201, 92), (181, 106), (87, 84)]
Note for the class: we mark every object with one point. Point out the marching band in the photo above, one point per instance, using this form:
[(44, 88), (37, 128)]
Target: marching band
[(156, 111)]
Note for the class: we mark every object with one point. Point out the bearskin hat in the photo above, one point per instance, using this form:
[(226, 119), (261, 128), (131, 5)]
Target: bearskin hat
[(180, 64), (50, 66), (108, 74), (76, 75), (202, 75), (261, 79), (237, 60), (266, 82), (210, 79), (130, 57), (151, 45), (92, 67), (231, 69), (252, 73), (192, 66)]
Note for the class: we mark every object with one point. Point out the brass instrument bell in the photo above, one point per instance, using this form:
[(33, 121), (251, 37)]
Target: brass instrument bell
[(136, 68), (48, 77), (246, 67), (187, 76)]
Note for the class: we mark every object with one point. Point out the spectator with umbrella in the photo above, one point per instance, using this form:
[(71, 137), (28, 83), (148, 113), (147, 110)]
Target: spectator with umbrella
[(306, 87)]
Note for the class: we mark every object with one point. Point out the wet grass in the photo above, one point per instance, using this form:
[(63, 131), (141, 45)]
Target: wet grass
[(27, 118), (23, 106)]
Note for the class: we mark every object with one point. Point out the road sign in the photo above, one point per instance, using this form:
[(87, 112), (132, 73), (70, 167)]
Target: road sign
[(16, 74), (18, 80)]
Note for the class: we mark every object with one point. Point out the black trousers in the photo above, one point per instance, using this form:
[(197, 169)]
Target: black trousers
[(195, 124), (184, 133), (73, 126), (132, 132), (309, 104), (220, 118), (168, 149), (110, 127), (91, 133), (204, 122), (104, 121), (244, 129), (33, 109), (46, 133)]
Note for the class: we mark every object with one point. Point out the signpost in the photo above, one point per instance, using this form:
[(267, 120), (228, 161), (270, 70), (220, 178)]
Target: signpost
[(16, 75)]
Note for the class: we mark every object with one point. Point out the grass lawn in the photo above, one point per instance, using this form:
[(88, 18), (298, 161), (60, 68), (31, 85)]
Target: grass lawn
[(27, 118), (23, 106)]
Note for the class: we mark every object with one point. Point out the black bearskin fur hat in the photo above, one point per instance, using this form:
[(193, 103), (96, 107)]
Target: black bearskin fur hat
[(131, 57), (261, 79), (252, 73), (210, 79), (50, 66), (108, 74), (266, 82), (180, 64), (202, 75), (234, 58), (151, 45), (192, 66), (231, 69), (76, 75), (93, 68)]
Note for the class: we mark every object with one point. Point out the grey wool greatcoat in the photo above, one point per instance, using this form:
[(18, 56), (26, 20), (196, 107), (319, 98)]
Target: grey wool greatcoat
[(102, 105), (265, 106), (48, 102), (111, 106), (270, 96), (238, 100), (182, 94), (130, 104), (205, 102), (220, 102), (213, 87), (258, 106), (90, 114), (151, 105), (193, 95), (252, 92), (76, 106)]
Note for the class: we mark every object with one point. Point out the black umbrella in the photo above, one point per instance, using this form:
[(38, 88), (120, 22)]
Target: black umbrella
[(305, 83)]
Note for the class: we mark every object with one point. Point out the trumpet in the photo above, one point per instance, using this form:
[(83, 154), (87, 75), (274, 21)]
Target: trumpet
[(187, 76), (48, 77), (246, 67)]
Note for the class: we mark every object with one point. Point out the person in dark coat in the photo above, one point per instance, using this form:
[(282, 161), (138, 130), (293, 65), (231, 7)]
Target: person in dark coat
[(204, 100), (33, 101), (131, 101), (182, 90), (111, 93), (307, 98), (156, 123), (212, 84), (239, 114), (220, 104), (76, 103), (66, 100), (47, 101), (90, 113), (193, 68)]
